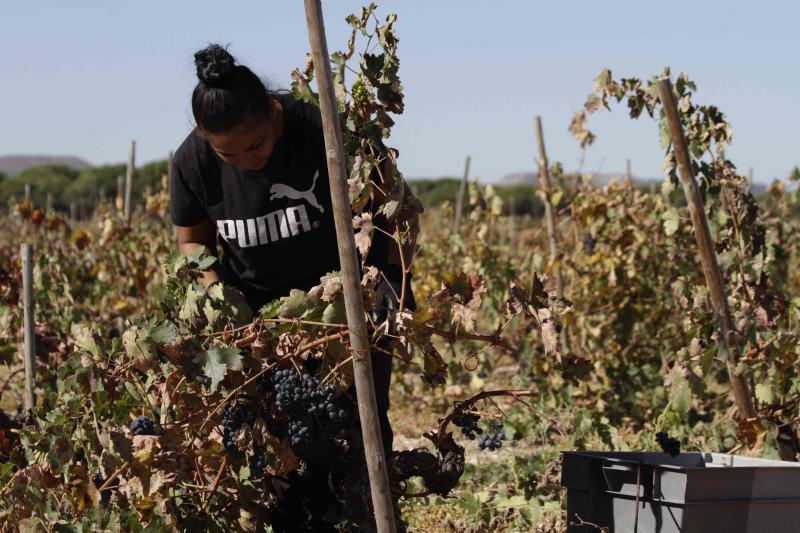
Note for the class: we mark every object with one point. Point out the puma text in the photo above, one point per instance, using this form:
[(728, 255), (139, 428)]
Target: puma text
[(274, 226)]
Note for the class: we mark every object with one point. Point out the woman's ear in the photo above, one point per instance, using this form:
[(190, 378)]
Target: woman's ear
[(276, 105)]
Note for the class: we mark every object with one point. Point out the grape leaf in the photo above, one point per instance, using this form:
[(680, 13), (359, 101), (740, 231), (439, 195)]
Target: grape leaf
[(217, 361), (334, 313), (671, 221), (294, 305), (164, 332), (84, 339)]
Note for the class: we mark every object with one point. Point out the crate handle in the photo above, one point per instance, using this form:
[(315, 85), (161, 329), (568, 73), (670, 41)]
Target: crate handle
[(618, 474)]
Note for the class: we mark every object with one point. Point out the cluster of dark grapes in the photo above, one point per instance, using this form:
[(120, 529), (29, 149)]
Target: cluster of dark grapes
[(232, 420), (305, 394), (300, 431), (491, 441), (302, 400), (258, 462), (468, 424), (588, 243), (98, 481), (669, 444), (143, 425)]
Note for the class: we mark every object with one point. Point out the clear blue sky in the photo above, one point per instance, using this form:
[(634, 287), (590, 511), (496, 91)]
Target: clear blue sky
[(80, 77)]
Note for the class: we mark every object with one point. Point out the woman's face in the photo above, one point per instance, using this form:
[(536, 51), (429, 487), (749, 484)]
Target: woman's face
[(250, 144)]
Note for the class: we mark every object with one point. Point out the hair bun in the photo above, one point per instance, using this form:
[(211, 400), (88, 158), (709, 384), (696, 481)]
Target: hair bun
[(214, 65)]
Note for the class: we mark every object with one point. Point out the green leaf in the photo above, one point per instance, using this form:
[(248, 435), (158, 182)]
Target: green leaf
[(164, 332), (131, 388), (764, 393), (190, 309), (680, 394), (138, 344), (211, 314), (84, 339), (294, 305), (217, 361), (672, 221), (602, 79), (215, 292), (696, 148), (334, 313), (8, 352), (200, 260), (664, 137), (270, 309)]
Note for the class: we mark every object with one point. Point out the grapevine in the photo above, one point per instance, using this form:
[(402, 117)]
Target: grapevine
[(163, 405)]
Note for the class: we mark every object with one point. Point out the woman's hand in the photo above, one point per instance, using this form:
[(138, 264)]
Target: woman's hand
[(203, 235)]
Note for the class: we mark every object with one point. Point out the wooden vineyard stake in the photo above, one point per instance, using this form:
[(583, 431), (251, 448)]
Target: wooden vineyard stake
[(119, 201), (27, 192), (462, 189), (550, 217), (73, 212), (351, 278), (169, 178), (169, 165), (627, 169), (29, 337), (129, 182), (708, 258), (48, 205), (512, 224)]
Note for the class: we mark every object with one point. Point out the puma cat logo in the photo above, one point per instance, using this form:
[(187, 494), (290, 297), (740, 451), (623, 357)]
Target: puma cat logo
[(280, 190)]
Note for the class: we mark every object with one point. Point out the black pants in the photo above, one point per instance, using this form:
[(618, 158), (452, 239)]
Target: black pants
[(382, 377)]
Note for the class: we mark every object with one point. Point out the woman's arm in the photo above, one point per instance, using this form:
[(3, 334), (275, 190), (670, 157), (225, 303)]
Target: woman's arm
[(202, 235)]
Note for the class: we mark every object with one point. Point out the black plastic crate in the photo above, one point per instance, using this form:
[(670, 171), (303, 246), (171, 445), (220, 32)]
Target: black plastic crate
[(694, 492)]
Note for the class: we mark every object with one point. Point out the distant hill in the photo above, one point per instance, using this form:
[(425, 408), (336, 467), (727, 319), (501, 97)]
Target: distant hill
[(14, 164)]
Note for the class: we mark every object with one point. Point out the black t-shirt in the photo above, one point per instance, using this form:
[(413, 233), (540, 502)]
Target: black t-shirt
[(275, 225)]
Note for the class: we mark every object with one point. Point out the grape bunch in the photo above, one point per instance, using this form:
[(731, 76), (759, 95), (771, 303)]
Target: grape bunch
[(143, 425), (588, 243), (98, 481), (302, 400), (258, 462), (468, 424), (232, 420), (669, 444), (295, 395), (300, 431), (491, 441)]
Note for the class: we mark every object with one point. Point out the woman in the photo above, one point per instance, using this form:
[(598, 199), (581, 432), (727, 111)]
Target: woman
[(253, 176)]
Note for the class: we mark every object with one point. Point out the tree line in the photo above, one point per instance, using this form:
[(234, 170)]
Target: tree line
[(81, 187)]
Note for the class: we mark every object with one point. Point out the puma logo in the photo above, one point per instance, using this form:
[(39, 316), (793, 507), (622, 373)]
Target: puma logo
[(280, 190)]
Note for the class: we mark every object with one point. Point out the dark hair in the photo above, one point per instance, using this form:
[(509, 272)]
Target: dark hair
[(227, 94)]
